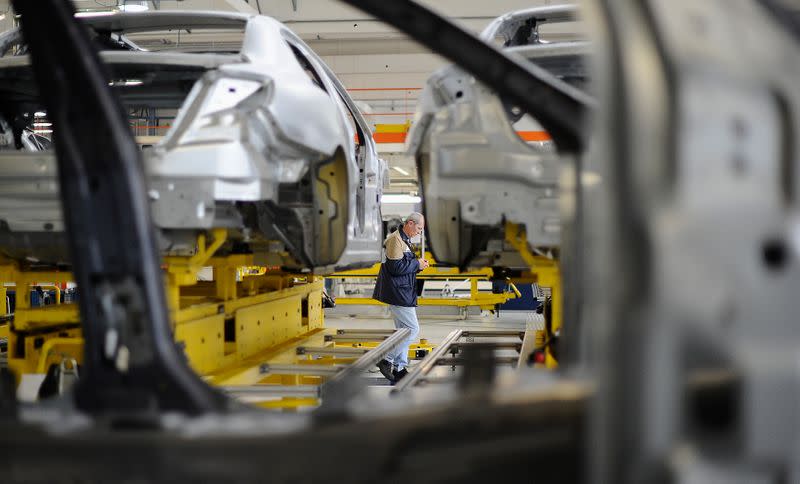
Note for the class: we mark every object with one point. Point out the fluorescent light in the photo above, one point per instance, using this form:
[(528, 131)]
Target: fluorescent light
[(96, 13), (126, 82), (133, 6), (401, 171), (2, 16), (42, 131), (40, 114), (400, 199), (43, 124)]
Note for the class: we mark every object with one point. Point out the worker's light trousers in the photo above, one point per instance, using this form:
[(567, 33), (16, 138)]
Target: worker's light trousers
[(404, 317)]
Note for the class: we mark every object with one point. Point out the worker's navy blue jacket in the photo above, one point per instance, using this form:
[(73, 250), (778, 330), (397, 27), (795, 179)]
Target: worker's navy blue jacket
[(397, 279)]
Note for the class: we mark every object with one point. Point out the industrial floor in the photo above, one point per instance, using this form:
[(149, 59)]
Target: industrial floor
[(435, 325)]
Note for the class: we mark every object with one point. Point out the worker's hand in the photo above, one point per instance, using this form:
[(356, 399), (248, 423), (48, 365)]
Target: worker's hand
[(423, 264)]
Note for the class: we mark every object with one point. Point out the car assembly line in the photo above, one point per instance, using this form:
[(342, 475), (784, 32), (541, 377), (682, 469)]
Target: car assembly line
[(593, 207)]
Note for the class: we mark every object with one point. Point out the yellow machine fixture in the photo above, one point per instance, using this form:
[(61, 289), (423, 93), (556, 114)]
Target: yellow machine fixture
[(218, 323), (547, 273), (486, 301), (543, 270), (250, 330), (236, 330)]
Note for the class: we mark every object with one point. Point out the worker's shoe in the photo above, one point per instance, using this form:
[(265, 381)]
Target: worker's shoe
[(398, 375), (386, 370)]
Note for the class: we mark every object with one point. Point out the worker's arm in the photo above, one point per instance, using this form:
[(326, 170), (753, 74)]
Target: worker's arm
[(396, 263)]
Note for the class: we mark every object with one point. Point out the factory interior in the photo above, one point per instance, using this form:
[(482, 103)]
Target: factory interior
[(296, 241)]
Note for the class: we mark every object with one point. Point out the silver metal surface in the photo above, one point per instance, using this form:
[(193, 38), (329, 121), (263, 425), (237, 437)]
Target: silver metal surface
[(273, 391), (497, 360), (166, 20), (360, 331), (492, 333), (499, 345), (476, 171), (331, 351), (355, 337), (507, 25), (694, 239), (300, 369)]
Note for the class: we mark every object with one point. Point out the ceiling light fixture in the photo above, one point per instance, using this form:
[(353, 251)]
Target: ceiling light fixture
[(133, 6), (397, 198), (42, 124), (126, 82), (401, 171), (95, 13), (40, 114)]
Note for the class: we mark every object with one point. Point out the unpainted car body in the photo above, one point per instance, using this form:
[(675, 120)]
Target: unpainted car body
[(475, 168), (266, 143)]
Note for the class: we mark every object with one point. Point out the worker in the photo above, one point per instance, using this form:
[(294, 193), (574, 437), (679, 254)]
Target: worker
[(397, 287)]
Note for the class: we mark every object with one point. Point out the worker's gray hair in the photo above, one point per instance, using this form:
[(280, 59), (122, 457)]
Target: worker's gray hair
[(415, 217)]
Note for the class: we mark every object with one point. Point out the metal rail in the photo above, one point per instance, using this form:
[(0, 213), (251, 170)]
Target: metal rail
[(428, 362), (300, 369), (386, 332), (335, 375), (493, 333), (498, 345), (370, 358), (338, 391), (272, 391), (331, 351), (451, 345), (498, 360), (355, 337)]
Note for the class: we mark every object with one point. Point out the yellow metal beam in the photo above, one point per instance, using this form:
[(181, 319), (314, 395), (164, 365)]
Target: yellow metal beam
[(219, 324), (49, 346), (247, 371), (432, 272), (288, 403), (485, 301), (548, 274), (26, 319), (393, 128)]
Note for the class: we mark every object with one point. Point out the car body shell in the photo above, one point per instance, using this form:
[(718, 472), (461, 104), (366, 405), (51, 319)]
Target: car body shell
[(475, 169), (267, 143)]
